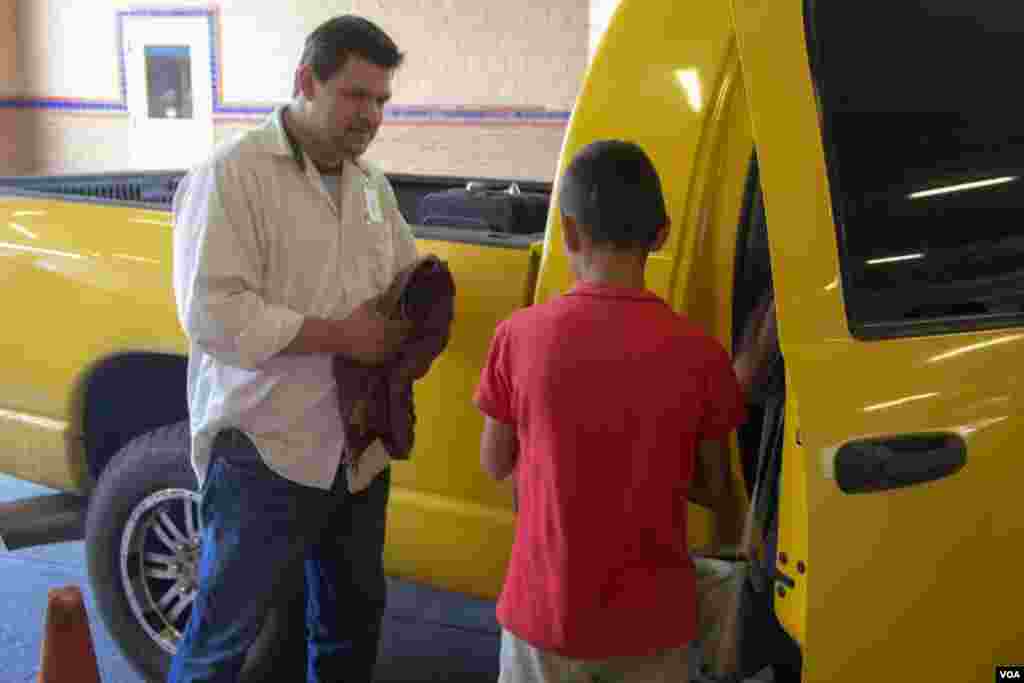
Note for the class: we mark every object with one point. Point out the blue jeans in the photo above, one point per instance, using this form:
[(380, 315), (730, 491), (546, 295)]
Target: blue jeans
[(257, 528)]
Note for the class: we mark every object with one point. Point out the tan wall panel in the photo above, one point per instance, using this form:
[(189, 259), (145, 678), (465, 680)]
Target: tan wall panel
[(10, 83), (525, 152), (81, 143), (17, 142), (466, 52), (529, 152), (529, 53)]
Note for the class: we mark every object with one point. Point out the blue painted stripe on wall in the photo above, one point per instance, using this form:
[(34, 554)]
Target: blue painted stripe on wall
[(419, 113), (63, 105), (390, 114), (170, 12)]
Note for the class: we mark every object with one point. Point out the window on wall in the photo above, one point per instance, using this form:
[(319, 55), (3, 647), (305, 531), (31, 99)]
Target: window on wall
[(169, 81), (924, 134)]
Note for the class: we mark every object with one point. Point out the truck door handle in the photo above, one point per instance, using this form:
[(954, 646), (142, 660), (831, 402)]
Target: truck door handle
[(870, 465)]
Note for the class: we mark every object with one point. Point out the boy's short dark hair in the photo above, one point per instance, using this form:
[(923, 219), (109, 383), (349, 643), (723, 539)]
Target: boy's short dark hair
[(612, 191), (328, 47)]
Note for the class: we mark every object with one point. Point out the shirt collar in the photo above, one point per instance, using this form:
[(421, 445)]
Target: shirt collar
[(287, 144), (604, 291), (276, 140)]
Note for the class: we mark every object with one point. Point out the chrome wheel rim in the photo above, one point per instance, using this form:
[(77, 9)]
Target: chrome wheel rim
[(160, 563)]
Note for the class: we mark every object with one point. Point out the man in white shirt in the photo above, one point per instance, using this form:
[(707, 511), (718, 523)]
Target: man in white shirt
[(281, 239)]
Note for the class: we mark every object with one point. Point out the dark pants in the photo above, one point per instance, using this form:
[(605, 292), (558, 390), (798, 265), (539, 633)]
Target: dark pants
[(257, 528)]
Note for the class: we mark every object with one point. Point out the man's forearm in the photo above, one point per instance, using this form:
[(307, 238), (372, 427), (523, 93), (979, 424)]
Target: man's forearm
[(364, 336), (320, 335)]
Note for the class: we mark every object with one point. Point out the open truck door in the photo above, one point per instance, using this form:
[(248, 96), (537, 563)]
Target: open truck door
[(892, 163)]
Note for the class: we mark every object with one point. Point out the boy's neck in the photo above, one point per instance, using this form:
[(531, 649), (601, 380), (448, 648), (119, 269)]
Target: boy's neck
[(613, 269)]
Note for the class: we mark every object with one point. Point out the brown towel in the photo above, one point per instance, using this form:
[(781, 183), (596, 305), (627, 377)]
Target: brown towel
[(376, 402)]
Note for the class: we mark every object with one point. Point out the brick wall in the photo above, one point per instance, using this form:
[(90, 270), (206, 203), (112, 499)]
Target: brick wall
[(460, 53)]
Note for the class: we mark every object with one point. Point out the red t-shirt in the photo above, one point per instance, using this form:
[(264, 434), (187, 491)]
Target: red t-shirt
[(610, 392)]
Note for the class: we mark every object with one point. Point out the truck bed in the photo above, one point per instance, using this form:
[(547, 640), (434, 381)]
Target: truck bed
[(94, 356), (155, 189)]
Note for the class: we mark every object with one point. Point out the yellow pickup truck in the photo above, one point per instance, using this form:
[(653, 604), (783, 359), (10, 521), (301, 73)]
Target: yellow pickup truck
[(861, 160)]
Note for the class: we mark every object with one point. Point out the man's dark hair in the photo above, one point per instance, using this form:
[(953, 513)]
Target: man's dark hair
[(612, 191), (330, 44)]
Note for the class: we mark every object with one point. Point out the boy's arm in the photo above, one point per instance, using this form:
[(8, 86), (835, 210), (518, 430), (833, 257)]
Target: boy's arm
[(717, 493), (499, 444), (759, 341), (499, 448)]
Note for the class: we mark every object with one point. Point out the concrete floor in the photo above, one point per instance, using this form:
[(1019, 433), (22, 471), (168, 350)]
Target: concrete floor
[(428, 635)]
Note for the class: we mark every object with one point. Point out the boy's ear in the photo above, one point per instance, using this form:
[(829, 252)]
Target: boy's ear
[(662, 236), (304, 84), (571, 233)]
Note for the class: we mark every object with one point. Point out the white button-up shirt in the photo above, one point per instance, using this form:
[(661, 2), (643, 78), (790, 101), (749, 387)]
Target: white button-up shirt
[(258, 245)]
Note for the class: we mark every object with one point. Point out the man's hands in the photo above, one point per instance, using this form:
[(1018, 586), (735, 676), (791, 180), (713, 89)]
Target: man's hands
[(371, 338), (365, 336)]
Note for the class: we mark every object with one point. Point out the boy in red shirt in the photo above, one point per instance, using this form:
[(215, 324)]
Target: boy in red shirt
[(601, 402)]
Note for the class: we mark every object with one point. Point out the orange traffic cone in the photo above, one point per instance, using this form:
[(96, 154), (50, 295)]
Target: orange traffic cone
[(68, 655)]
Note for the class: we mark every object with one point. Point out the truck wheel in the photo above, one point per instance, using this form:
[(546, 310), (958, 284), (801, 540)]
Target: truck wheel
[(142, 544)]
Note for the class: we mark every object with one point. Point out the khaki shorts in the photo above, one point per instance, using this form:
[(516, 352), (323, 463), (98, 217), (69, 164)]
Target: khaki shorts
[(523, 663)]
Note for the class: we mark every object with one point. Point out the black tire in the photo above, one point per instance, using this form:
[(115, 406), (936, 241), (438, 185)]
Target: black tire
[(154, 469)]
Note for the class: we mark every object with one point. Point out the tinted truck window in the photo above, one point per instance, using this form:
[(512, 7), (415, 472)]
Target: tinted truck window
[(924, 133)]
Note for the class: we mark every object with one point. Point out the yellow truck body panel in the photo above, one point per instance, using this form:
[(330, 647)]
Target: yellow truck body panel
[(872, 583)]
